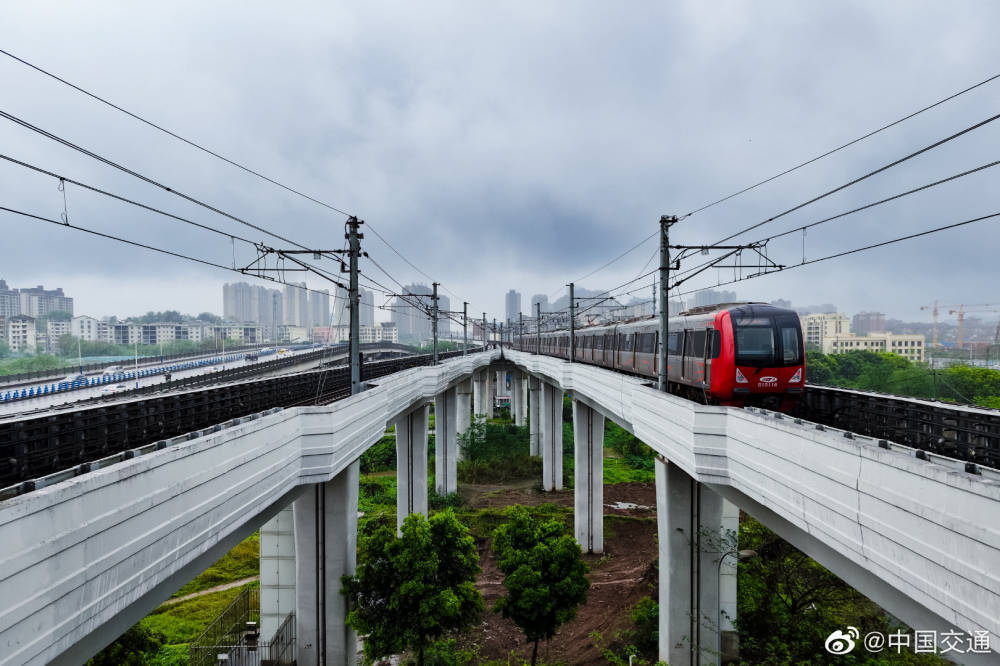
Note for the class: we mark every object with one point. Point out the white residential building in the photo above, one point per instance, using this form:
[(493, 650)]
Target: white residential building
[(910, 347), (817, 328), (21, 334)]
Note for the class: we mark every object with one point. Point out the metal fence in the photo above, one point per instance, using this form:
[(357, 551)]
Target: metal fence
[(235, 634)]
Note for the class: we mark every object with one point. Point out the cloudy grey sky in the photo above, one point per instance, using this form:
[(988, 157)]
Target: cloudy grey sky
[(502, 145)]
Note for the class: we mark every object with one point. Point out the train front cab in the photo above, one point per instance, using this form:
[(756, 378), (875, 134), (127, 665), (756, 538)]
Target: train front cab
[(762, 351)]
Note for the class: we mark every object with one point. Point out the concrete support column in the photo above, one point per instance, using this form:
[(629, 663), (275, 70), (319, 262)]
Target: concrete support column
[(693, 548), (326, 536), (552, 467), (479, 393), (491, 394), (588, 475), (463, 407), (524, 399), (730, 639), (411, 464), (277, 571), (516, 408), (535, 418), (446, 442)]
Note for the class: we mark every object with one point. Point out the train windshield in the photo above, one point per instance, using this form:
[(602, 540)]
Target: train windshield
[(768, 341)]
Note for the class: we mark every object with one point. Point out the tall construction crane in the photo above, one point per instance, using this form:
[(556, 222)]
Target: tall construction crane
[(962, 309), (934, 310)]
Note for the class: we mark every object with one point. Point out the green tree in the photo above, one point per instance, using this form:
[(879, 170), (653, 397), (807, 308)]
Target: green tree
[(544, 574), (135, 647), (411, 590), (209, 317), (4, 349)]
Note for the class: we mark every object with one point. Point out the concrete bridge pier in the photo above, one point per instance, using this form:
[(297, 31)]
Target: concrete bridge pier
[(551, 444), (696, 552), (535, 416), (277, 571), (516, 408), (326, 536), (446, 442), (588, 475), (491, 394), (411, 464), (463, 407), (479, 393)]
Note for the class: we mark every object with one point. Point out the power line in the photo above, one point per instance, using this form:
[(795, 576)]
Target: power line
[(189, 142), (872, 204), (868, 175), (853, 251), (846, 145), (122, 199), (151, 181), (171, 253), (626, 252)]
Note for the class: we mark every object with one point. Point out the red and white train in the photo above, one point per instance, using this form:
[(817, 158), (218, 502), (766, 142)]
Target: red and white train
[(729, 354)]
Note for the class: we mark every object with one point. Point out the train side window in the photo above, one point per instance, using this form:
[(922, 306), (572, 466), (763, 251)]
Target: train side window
[(628, 343), (716, 344), (689, 348), (674, 344), (697, 345)]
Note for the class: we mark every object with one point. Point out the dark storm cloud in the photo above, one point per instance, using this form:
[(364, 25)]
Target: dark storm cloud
[(506, 145)]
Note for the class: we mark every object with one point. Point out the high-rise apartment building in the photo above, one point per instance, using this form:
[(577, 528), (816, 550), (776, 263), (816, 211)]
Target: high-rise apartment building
[(21, 334), (713, 297), (409, 313), (539, 298), (864, 323), (33, 302), (367, 307), (243, 302), (319, 308), (818, 328), (296, 305), (512, 306)]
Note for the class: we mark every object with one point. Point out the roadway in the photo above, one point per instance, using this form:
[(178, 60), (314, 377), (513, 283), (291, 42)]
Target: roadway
[(66, 399)]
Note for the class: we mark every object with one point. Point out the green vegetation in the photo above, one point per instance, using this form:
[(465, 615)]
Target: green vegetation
[(135, 647), (788, 604), (241, 562), (14, 366), (68, 347), (543, 572), (496, 452), (443, 346), (381, 457), (634, 459), (891, 373), (411, 590)]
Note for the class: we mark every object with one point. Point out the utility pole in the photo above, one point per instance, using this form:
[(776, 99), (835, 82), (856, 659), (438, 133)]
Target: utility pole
[(485, 346), (434, 320), (501, 336), (354, 249), (572, 324), (654, 297), (520, 331), (538, 328), (493, 331), (666, 221), (465, 326)]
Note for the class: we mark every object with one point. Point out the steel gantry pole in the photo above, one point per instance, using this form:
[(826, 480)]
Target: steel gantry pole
[(354, 245), (434, 320), (538, 328), (485, 345), (520, 331), (572, 324), (465, 327), (666, 221)]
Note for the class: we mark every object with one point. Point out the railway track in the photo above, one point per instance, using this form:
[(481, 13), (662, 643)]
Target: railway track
[(33, 447)]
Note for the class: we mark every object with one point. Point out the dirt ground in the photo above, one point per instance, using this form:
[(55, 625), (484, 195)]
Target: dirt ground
[(618, 578)]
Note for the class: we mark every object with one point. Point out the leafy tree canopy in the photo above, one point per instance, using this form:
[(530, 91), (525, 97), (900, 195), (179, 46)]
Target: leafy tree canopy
[(545, 575), (135, 647), (410, 590)]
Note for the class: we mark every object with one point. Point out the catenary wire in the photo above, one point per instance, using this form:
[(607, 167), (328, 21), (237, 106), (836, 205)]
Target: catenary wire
[(866, 176), (171, 253), (846, 145), (160, 128)]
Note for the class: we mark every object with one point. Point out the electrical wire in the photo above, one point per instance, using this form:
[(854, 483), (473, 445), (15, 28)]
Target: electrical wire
[(151, 181), (853, 251), (171, 253), (866, 176), (170, 133), (846, 145)]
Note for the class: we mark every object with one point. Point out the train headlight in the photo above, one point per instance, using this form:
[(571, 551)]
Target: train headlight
[(740, 379), (797, 377)]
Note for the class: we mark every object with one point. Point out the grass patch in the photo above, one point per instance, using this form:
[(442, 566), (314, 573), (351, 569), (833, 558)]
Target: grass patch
[(496, 452), (241, 562), (482, 522), (381, 457), (618, 470), (184, 621)]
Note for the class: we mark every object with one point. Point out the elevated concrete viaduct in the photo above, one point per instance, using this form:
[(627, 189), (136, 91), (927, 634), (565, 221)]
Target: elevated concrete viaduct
[(86, 558)]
